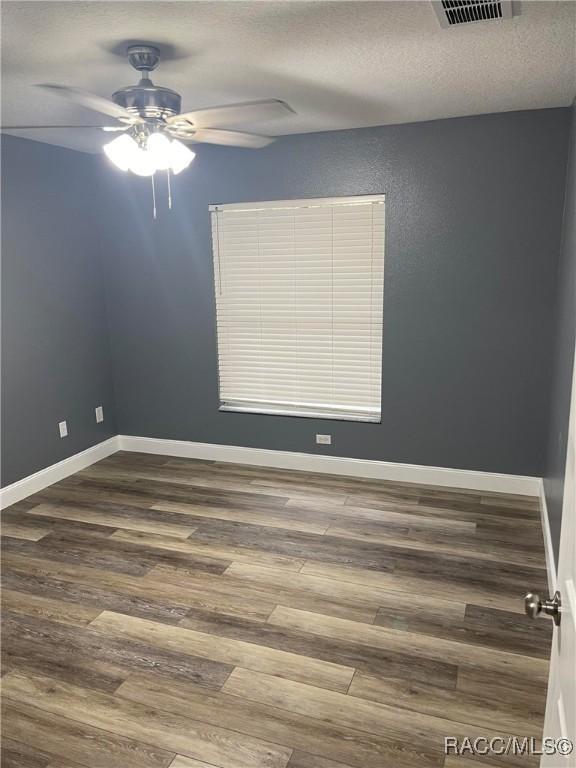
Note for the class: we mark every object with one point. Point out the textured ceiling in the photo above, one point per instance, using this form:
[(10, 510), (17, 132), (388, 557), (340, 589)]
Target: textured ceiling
[(338, 64)]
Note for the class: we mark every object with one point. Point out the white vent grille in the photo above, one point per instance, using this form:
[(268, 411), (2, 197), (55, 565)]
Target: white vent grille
[(451, 13)]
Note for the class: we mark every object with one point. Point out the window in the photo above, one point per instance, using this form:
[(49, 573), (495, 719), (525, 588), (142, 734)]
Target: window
[(299, 294)]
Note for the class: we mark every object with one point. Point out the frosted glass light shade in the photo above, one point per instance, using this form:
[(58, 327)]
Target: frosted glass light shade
[(159, 147), (121, 150), (142, 163), (181, 156)]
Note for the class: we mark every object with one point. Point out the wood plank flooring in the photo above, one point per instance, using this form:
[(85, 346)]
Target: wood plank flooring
[(168, 612)]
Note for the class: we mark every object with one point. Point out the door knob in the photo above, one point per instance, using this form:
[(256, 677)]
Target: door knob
[(534, 606)]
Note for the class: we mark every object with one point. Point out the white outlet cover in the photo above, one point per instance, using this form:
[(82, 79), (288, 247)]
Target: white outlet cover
[(324, 439), (63, 428), (99, 411)]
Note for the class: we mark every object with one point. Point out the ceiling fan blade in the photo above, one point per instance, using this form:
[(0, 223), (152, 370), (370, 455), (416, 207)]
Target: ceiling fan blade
[(61, 127), (232, 114), (230, 138), (91, 101), (114, 128)]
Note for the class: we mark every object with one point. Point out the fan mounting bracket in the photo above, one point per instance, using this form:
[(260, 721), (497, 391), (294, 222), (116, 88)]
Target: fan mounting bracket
[(144, 58)]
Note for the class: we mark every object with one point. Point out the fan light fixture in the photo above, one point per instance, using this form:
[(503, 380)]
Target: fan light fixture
[(152, 122), (155, 153), (145, 151)]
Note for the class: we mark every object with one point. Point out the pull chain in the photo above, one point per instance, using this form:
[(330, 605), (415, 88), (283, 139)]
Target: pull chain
[(169, 190), (152, 178), (153, 196)]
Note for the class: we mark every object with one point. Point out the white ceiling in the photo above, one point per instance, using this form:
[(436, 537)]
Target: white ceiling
[(338, 64)]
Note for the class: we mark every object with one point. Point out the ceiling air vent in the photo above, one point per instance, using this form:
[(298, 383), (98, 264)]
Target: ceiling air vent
[(451, 13)]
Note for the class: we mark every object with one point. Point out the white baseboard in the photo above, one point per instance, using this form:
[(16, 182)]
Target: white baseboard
[(490, 482), (52, 474), (548, 548)]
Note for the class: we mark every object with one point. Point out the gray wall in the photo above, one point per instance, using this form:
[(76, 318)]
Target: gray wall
[(55, 352), (565, 329), (474, 209)]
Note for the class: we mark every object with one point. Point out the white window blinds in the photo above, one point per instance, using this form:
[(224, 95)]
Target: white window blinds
[(299, 295)]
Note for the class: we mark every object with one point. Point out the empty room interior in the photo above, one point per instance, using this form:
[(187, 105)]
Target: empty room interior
[(288, 460)]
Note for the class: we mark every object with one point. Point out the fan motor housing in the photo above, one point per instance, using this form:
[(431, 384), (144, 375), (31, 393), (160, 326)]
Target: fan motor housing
[(149, 100)]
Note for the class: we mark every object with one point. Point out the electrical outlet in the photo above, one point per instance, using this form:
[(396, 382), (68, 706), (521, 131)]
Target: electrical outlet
[(324, 439), (99, 414), (63, 428)]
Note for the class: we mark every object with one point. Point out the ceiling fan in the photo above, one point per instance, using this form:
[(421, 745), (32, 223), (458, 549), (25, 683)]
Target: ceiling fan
[(153, 127)]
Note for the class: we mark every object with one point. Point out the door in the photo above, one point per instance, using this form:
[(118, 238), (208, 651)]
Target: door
[(560, 721)]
